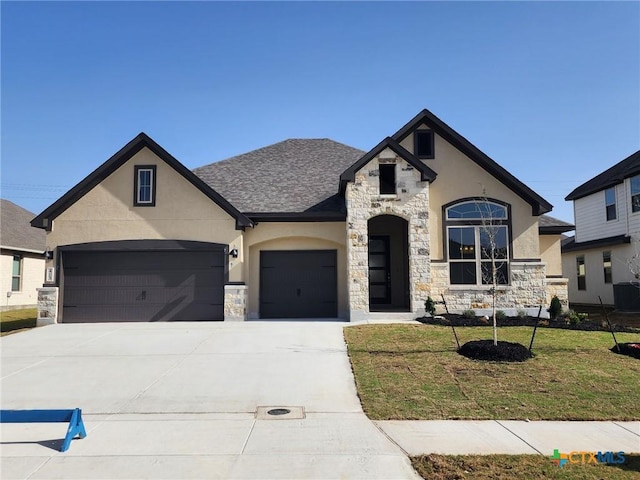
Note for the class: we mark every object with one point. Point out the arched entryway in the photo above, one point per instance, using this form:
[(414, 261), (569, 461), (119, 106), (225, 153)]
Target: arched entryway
[(388, 264)]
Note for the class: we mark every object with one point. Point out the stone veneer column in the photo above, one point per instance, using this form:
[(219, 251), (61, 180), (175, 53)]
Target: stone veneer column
[(47, 306), (365, 202), (235, 303)]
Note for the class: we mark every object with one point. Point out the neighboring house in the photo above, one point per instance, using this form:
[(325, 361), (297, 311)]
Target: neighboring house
[(300, 229), (607, 218), (22, 257)]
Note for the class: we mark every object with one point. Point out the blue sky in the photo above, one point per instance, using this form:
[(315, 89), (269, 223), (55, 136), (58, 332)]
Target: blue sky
[(549, 90)]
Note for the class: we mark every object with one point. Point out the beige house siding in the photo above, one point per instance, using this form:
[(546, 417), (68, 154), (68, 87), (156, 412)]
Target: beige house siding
[(32, 278), (181, 212), (293, 236), (551, 255), (459, 177)]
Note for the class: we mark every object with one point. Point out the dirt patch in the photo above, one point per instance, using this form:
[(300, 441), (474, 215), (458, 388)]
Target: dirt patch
[(502, 352), (587, 324)]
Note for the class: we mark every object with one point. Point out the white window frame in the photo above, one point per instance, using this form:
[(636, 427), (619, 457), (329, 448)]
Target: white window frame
[(609, 203), (138, 199)]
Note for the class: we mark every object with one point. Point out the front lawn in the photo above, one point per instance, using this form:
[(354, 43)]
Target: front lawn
[(406, 371), (14, 320), (507, 467)]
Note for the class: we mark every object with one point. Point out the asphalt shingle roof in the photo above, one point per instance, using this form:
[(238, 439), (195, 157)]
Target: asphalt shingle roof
[(628, 167), (551, 223), (16, 231), (295, 175)]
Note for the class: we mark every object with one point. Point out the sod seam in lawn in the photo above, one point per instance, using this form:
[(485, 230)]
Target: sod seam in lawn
[(414, 372)]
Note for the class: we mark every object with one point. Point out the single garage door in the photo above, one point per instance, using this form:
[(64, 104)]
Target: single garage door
[(144, 286), (298, 284)]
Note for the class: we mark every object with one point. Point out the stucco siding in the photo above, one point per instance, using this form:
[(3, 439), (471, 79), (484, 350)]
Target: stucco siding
[(550, 253), (32, 278), (459, 177), (294, 236), (181, 212)]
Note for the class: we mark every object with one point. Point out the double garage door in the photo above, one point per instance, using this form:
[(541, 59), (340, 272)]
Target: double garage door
[(298, 284), (143, 281)]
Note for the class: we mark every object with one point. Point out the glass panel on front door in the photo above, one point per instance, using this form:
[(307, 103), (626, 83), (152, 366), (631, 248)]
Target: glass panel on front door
[(379, 271)]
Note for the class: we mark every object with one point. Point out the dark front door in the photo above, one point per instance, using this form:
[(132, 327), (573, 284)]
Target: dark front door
[(379, 270), (143, 286), (298, 284)]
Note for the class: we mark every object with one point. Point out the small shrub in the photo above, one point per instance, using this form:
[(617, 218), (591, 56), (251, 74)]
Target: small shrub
[(469, 314), (555, 308), (430, 306), (570, 316), (500, 315), (522, 313)]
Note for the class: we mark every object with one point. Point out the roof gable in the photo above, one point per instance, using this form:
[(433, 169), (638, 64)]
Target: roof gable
[(141, 141), (16, 232), (426, 174), (628, 167), (538, 204)]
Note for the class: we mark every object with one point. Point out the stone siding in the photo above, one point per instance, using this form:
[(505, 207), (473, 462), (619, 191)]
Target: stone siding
[(235, 303), (364, 202), (47, 306), (558, 287), (529, 288)]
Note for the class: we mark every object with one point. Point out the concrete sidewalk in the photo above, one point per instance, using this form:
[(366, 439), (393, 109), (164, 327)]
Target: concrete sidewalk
[(462, 437), (179, 401)]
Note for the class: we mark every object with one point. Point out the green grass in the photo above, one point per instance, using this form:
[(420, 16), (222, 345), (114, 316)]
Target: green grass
[(508, 467), (14, 320), (414, 372)]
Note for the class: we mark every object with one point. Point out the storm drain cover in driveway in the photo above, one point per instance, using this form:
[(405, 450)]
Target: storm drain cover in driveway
[(280, 412)]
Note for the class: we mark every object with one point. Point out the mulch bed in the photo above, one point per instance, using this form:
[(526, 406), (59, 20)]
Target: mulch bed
[(631, 349), (503, 352), (460, 321)]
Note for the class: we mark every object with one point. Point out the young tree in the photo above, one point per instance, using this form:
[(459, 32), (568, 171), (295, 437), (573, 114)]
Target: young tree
[(493, 250)]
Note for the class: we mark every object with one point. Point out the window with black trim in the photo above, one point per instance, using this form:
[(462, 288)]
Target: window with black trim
[(144, 193), (581, 272), (423, 144), (635, 193), (610, 203), (16, 274), (606, 265), (387, 179), (478, 239)]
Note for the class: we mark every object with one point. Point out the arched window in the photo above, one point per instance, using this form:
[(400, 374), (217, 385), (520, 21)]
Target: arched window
[(477, 237)]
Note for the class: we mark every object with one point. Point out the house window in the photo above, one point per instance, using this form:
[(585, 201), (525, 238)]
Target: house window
[(145, 186), (606, 264), (635, 194), (387, 179), (423, 144), (478, 238), (16, 275), (581, 272), (610, 203)]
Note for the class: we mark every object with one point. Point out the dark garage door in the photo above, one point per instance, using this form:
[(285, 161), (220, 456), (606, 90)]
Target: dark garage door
[(298, 284), (143, 286)]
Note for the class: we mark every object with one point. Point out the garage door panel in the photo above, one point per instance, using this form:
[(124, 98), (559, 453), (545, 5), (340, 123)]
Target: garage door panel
[(298, 284), (143, 285)]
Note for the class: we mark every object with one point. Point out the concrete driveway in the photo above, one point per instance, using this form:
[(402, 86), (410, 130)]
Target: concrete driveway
[(179, 400)]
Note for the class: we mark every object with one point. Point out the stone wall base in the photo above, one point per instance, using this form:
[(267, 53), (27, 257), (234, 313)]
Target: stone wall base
[(47, 306), (235, 303)]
